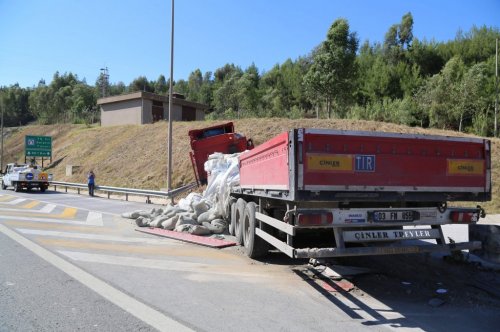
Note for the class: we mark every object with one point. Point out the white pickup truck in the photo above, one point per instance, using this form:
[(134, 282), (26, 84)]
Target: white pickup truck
[(22, 176)]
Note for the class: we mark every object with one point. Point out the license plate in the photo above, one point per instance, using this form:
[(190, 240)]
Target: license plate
[(402, 215)]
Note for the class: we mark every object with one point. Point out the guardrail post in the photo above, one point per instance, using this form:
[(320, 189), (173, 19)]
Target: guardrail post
[(126, 197), (109, 193), (148, 200), (78, 191), (66, 188)]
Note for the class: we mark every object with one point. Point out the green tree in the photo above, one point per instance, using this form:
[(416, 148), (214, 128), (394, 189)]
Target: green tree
[(15, 104), (40, 102), (117, 89), (141, 83), (226, 96), (195, 81), (160, 85), (248, 90), (83, 104), (332, 73), (405, 30), (439, 95), (206, 89)]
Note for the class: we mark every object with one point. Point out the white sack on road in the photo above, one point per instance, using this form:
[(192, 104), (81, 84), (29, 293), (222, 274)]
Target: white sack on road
[(198, 214)]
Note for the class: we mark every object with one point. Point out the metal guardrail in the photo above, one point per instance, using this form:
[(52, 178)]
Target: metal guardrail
[(125, 191)]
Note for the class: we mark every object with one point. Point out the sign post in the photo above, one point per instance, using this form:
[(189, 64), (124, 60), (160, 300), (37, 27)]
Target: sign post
[(38, 146)]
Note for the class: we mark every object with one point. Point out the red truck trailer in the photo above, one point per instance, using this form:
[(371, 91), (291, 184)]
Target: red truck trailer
[(326, 193), (219, 138)]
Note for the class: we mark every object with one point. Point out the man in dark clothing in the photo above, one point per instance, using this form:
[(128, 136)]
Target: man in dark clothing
[(91, 182)]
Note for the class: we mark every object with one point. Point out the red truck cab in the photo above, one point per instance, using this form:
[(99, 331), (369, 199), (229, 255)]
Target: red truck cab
[(220, 138)]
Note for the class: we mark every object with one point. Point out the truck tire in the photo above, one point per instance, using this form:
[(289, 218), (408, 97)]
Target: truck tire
[(238, 221), (232, 219), (17, 187), (42, 189), (3, 185), (255, 247)]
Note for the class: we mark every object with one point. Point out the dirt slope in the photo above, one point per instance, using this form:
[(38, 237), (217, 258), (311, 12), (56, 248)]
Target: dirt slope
[(135, 156)]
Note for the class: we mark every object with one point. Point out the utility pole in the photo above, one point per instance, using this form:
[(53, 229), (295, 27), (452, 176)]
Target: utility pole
[(496, 89), (171, 91), (104, 80)]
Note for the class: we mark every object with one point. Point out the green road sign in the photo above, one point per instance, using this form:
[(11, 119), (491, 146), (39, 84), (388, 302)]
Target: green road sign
[(38, 146)]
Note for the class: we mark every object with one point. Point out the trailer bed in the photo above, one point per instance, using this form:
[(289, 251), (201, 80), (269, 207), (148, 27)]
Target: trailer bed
[(332, 165)]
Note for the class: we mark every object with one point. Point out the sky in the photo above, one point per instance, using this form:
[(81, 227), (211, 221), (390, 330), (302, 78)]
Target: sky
[(132, 38)]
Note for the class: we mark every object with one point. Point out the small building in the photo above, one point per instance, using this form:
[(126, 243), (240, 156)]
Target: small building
[(146, 107)]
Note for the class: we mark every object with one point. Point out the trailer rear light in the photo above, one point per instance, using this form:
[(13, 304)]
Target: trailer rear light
[(459, 217), (315, 219)]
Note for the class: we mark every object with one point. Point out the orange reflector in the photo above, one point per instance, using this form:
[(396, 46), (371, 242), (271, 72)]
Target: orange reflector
[(315, 219)]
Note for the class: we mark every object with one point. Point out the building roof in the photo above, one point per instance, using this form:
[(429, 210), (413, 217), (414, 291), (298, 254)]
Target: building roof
[(150, 96)]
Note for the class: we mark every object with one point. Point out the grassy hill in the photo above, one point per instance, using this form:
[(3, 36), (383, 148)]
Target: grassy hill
[(135, 156)]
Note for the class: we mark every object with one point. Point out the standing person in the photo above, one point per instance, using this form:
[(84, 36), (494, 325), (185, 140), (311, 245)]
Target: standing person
[(91, 182)]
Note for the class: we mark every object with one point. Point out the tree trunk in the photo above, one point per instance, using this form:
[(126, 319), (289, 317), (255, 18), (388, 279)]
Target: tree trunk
[(329, 108), (460, 124)]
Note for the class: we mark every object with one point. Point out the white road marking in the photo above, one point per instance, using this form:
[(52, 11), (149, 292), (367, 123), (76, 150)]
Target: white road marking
[(135, 262), (14, 202), (47, 208), (94, 218), (60, 221), (200, 271), (100, 237), (138, 309)]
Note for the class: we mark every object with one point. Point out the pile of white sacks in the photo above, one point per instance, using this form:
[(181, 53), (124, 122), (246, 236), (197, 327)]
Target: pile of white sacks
[(198, 214)]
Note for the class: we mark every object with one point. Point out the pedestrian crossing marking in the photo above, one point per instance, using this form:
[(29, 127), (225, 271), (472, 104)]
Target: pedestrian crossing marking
[(97, 222), (136, 262), (93, 218), (48, 208), (68, 213), (6, 198), (99, 237), (184, 251), (31, 205), (13, 201), (49, 225)]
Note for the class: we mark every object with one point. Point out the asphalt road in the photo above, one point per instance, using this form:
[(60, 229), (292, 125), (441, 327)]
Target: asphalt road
[(70, 262)]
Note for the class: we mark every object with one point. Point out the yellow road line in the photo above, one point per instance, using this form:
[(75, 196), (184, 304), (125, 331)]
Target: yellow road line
[(31, 205), (6, 198), (172, 251)]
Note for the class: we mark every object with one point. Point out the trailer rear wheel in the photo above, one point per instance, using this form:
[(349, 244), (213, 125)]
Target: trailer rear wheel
[(238, 221), (42, 189), (254, 245), (232, 220), (3, 185), (17, 187)]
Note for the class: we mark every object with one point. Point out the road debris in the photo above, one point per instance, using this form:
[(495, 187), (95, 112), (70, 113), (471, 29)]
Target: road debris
[(197, 214), (211, 242)]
